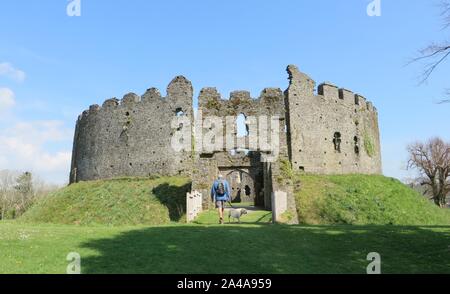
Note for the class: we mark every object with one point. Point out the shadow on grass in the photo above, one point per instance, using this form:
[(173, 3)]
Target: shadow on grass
[(174, 198), (271, 249)]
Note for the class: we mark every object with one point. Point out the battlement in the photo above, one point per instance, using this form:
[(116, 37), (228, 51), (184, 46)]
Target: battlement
[(179, 90), (331, 92), (328, 90), (302, 85), (364, 104), (210, 98), (151, 94), (240, 96), (346, 95)]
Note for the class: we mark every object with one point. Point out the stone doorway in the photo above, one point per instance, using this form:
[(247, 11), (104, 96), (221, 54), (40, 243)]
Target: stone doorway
[(244, 184)]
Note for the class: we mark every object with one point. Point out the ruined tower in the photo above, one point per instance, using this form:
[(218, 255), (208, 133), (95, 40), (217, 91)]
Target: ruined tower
[(132, 137), (333, 132)]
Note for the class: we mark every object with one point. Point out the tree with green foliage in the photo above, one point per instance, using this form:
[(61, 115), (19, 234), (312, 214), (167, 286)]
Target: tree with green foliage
[(432, 160)]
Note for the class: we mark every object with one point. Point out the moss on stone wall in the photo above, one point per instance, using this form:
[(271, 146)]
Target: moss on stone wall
[(202, 186), (286, 172), (238, 102), (213, 104), (369, 145)]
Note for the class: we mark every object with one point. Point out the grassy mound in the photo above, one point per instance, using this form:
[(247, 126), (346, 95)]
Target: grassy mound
[(363, 199), (127, 201)]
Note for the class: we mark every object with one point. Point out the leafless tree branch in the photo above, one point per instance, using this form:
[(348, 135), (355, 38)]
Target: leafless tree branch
[(439, 53), (436, 54), (445, 14)]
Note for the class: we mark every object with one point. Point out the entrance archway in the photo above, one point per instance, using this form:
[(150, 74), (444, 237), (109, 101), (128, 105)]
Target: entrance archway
[(243, 186)]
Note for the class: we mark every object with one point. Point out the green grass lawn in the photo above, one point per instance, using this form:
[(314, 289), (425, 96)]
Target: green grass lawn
[(245, 248), (137, 226)]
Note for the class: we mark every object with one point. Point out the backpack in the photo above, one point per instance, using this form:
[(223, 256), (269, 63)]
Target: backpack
[(220, 190)]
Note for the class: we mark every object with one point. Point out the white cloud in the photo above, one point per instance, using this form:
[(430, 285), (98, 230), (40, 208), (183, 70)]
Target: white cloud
[(26, 146), (7, 99), (38, 146), (6, 69)]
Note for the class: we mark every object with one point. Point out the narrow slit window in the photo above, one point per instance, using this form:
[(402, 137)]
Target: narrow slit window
[(356, 140), (337, 142)]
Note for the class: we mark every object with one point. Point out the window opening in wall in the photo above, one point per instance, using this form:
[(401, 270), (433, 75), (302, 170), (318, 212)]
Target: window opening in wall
[(356, 140), (179, 112), (248, 191), (241, 126), (337, 142)]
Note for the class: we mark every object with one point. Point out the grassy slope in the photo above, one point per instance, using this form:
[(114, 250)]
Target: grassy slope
[(246, 248), (114, 202), (362, 199)]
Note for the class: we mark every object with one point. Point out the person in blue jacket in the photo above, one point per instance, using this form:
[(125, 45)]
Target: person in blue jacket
[(220, 194)]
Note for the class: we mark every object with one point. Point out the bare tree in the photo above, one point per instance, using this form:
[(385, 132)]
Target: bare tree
[(432, 160), (18, 192), (436, 53), (7, 180)]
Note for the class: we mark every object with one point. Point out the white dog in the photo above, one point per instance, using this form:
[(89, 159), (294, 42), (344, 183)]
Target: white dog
[(236, 214)]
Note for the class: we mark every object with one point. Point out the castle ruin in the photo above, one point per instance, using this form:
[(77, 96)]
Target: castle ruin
[(332, 132)]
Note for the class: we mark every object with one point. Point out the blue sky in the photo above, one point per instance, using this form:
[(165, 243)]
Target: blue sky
[(53, 66)]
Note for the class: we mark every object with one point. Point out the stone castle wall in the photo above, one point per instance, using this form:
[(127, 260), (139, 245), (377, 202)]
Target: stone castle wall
[(132, 137), (316, 123), (270, 103)]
